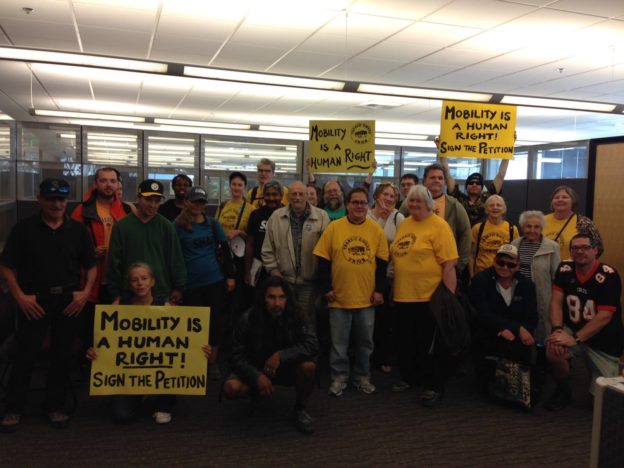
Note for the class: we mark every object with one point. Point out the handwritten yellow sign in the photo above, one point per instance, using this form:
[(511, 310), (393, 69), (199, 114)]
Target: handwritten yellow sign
[(342, 145), (475, 130), (143, 350)]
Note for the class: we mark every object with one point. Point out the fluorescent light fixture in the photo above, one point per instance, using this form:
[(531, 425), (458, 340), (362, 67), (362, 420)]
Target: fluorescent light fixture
[(422, 92), (199, 123), (88, 115), (277, 128), (400, 136), (47, 56), (262, 78), (5, 116), (558, 103)]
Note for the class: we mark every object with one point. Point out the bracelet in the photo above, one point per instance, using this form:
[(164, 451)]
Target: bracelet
[(576, 338), (557, 327)]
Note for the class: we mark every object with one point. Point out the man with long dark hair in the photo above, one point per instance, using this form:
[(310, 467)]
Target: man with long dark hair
[(273, 346)]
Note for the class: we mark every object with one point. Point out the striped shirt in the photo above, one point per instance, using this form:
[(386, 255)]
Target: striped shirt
[(526, 252)]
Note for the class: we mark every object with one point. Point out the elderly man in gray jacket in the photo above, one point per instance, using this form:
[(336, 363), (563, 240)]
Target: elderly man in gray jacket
[(291, 234)]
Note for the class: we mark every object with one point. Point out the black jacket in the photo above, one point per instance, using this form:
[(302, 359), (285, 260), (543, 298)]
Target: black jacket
[(257, 336), (492, 311)]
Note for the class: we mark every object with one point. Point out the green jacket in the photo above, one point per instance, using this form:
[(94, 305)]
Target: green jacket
[(155, 243)]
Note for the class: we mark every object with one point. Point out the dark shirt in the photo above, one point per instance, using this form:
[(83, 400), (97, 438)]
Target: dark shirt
[(476, 210), (169, 210), (583, 298), (43, 257), (257, 228), (494, 313), (257, 336)]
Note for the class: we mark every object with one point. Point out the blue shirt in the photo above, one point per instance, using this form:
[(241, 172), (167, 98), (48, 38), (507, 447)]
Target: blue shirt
[(199, 248)]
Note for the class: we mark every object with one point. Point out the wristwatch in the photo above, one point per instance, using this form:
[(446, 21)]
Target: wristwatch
[(576, 338)]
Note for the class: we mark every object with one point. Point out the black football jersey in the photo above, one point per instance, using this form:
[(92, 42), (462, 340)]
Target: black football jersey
[(583, 297)]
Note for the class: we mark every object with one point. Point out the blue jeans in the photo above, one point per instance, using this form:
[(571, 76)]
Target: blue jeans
[(346, 323)]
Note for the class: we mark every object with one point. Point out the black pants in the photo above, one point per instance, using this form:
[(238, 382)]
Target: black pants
[(382, 334), (421, 357), (30, 336), (213, 296)]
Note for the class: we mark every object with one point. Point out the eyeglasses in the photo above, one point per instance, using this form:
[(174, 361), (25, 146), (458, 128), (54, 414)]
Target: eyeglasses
[(359, 202), (503, 264), (581, 248)]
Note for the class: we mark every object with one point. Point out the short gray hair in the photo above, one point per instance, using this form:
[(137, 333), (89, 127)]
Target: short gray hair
[(266, 162), (526, 215), (495, 197), (422, 193)]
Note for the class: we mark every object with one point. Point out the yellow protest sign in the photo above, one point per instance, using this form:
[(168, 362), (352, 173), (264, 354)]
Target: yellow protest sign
[(143, 350), (475, 130), (342, 145)]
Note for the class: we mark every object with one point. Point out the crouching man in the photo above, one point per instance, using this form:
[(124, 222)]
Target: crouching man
[(272, 346)]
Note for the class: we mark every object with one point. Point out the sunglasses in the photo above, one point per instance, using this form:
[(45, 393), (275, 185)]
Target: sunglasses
[(474, 182), (503, 264)]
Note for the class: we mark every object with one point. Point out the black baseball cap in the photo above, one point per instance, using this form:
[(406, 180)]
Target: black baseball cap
[(197, 193), (150, 188), (54, 188), (476, 177)]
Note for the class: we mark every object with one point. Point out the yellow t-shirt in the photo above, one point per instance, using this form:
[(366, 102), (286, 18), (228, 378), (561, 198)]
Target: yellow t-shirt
[(440, 206), (258, 201), (552, 228), (104, 213), (418, 251), (351, 249), (228, 215), (492, 238)]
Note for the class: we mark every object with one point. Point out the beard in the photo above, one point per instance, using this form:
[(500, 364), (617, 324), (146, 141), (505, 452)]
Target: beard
[(333, 204)]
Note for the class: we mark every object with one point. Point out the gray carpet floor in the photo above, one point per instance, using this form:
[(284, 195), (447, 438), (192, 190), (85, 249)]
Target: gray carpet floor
[(384, 429)]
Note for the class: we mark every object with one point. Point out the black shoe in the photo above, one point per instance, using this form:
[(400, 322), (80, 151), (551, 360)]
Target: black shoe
[(558, 401), (430, 398), (303, 422)]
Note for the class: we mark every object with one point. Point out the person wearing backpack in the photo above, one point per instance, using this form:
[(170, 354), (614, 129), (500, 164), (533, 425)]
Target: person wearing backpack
[(489, 235)]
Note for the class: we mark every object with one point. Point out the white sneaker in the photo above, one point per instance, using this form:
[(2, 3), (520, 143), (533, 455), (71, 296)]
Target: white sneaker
[(365, 386), (336, 388), (160, 417)]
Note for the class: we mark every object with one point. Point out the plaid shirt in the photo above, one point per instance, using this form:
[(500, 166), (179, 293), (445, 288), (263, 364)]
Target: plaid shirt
[(296, 230)]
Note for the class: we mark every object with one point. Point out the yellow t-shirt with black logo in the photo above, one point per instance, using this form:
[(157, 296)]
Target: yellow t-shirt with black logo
[(492, 237), (351, 249), (418, 251), (552, 228), (228, 215)]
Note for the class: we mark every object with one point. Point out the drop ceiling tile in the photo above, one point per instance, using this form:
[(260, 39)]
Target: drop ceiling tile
[(192, 27), (178, 49), (604, 8), (392, 49), (356, 26), (324, 43), (484, 14), (545, 25), (247, 56), (115, 42), (440, 35), (458, 56), (416, 74), (398, 8), (127, 18), (363, 69), (52, 11), (306, 63), (38, 34)]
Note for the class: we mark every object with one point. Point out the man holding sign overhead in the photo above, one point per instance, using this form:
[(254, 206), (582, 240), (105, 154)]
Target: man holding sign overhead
[(484, 131)]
